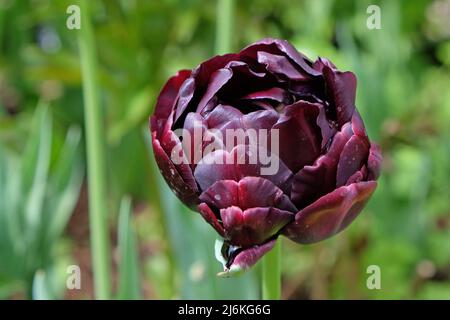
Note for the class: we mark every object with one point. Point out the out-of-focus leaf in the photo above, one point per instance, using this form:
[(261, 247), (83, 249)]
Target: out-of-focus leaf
[(129, 279), (41, 287)]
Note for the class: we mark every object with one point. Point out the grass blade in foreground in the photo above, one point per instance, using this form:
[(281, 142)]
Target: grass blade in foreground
[(129, 263), (95, 159)]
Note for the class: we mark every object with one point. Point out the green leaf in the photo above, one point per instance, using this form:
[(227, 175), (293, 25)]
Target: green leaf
[(129, 282)]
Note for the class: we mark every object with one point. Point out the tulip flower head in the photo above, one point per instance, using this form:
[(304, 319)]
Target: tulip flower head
[(265, 143)]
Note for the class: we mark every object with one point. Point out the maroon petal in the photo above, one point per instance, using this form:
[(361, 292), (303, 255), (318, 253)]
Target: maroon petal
[(166, 100), (186, 94), (245, 259), (218, 79), (173, 147), (358, 176), (280, 65), (330, 214), (299, 136), (247, 193), (252, 226), (353, 157), (277, 46), (358, 124), (221, 115), (188, 193), (320, 63), (195, 86), (225, 117), (196, 137), (222, 165), (374, 162), (314, 181), (341, 89), (203, 72), (211, 218), (275, 94)]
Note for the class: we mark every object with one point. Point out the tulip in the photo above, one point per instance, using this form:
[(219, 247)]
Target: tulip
[(300, 163)]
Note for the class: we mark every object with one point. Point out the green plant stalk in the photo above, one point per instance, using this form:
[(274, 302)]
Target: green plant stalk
[(224, 26), (271, 273), (100, 246)]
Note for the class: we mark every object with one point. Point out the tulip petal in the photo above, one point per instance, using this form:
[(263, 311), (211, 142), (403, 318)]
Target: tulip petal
[(225, 117), (249, 192), (193, 88), (299, 136), (252, 226), (330, 214), (188, 193), (280, 65), (341, 89), (358, 176), (374, 162), (166, 100), (217, 80), (274, 94), (321, 62), (211, 218), (358, 124), (353, 157), (314, 181), (186, 94), (245, 259), (171, 144), (237, 164), (281, 47)]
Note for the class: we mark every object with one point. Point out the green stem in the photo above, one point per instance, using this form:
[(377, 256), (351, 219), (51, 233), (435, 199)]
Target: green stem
[(271, 273), (224, 26), (100, 247)]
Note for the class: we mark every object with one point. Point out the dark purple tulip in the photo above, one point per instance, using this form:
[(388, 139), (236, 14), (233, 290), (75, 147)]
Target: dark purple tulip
[(327, 165)]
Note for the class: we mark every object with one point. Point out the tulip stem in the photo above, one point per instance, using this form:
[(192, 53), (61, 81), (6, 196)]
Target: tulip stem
[(271, 273), (95, 144)]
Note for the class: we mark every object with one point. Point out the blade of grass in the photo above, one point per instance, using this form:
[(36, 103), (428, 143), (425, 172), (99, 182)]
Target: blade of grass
[(129, 287), (224, 26), (95, 158)]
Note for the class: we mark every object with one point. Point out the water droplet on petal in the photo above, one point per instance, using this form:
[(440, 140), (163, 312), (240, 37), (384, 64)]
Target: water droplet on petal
[(217, 197)]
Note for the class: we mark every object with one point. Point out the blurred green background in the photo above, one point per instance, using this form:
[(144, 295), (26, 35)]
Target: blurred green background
[(160, 250)]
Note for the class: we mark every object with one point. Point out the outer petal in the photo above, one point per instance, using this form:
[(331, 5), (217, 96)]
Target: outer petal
[(211, 218), (353, 157), (330, 214), (221, 165), (316, 180), (171, 143), (341, 89), (188, 194), (166, 100), (320, 63), (247, 193), (245, 259), (374, 162), (252, 226)]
